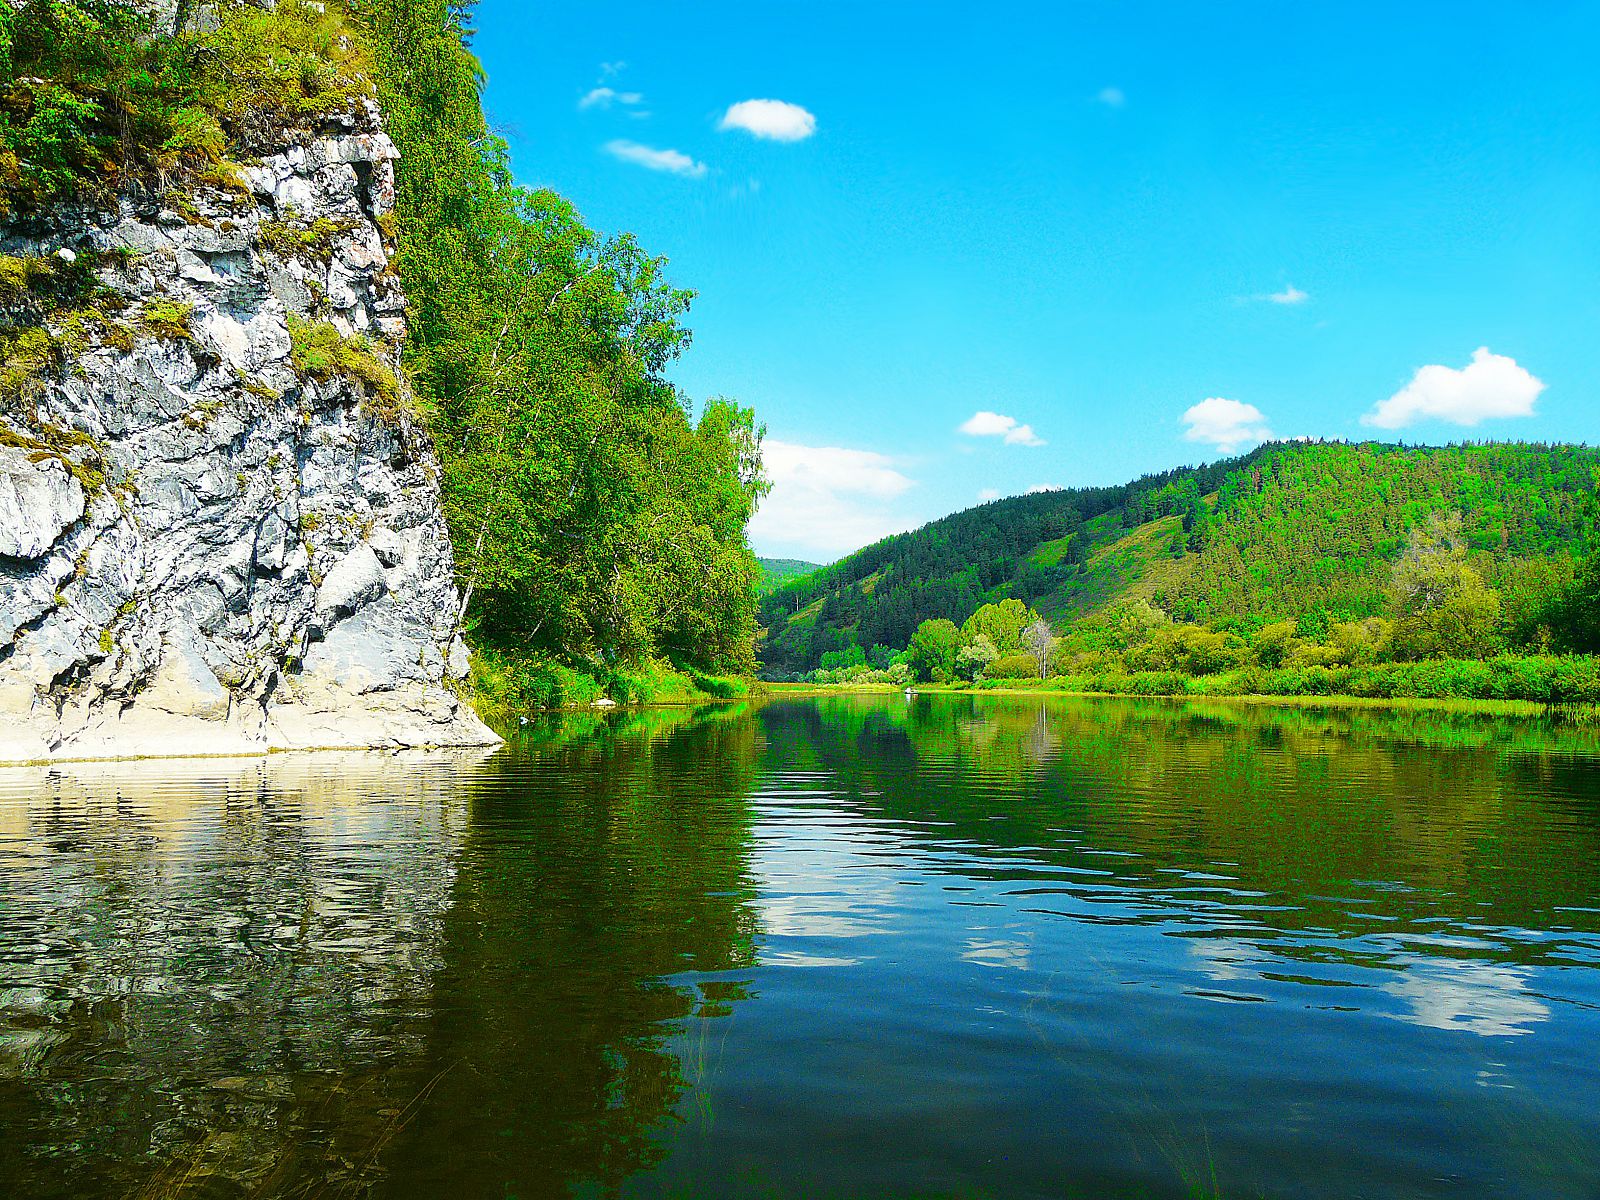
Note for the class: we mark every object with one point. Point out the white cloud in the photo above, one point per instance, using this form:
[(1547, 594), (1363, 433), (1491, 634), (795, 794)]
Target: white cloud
[(1023, 435), (604, 97), (609, 70), (1490, 386), (827, 500), (987, 494), (777, 120), (1289, 295), (987, 424), (1039, 488), (1229, 425), (1111, 97), (992, 424), (672, 161)]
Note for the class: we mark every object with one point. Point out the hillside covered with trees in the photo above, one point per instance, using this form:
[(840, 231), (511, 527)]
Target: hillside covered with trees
[(775, 572), (1323, 554), (597, 514)]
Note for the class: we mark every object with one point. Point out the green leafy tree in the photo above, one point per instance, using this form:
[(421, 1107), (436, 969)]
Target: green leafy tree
[(933, 650), (975, 657), (1001, 623), (1577, 616), (594, 517), (1441, 606)]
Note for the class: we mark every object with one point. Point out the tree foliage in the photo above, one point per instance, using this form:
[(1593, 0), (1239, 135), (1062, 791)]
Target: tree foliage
[(933, 650), (593, 515), (1442, 607)]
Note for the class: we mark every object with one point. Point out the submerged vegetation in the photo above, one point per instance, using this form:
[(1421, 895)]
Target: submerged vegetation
[(598, 515)]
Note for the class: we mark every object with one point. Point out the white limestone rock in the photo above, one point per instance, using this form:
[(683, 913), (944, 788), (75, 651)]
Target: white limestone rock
[(267, 565), (39, 498)]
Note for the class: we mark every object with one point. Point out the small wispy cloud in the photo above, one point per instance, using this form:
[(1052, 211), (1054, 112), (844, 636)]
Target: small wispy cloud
[(605, 97), (987, 494), (992, 424), (1289, 295), (775, 120), (673, 162), (1111, 97), (1490, 386), (610, 70), (1228, 425)]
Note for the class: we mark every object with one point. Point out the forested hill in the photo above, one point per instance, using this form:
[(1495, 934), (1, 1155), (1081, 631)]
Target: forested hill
[(775, 572), (1302, 531)]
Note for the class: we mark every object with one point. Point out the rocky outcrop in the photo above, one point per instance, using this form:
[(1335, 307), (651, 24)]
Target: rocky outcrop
[(220, 530)]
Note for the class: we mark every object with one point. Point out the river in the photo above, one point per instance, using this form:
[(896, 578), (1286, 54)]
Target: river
[(853, 946)]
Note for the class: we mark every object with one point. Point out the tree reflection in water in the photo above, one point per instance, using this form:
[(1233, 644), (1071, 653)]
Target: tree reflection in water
[(365, 974)]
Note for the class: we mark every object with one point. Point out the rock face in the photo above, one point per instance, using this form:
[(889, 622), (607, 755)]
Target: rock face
[(216, 541)]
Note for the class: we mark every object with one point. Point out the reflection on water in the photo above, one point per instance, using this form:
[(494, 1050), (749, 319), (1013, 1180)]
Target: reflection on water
[(853, 946)]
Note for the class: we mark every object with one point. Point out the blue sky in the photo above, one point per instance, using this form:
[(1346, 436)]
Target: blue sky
[(1102, 238)]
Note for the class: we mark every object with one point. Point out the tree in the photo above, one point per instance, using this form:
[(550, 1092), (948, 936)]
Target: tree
[(593, 517), (1037, 639), (1577, 623), (1275, 643), (1441, 606), (1001, 623), (933, 650), (975, 657)]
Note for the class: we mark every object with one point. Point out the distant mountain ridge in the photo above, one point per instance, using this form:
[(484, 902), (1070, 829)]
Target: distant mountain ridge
[(1304, 531)]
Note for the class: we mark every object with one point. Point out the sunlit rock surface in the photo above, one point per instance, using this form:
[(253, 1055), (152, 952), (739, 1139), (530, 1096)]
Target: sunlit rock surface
[(265, 564)]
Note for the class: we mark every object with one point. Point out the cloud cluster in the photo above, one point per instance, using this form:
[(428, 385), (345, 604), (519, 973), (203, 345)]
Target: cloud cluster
[(1111, 97), (674, 162), (1228, 425), (1289, 295), (827, 500), (775, 120), (992, 424), (1491, 385)]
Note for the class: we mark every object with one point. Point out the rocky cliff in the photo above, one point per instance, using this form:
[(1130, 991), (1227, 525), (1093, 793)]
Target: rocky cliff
[(220, 528)]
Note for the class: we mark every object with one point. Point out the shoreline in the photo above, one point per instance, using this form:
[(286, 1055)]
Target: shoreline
[(1504, 708)]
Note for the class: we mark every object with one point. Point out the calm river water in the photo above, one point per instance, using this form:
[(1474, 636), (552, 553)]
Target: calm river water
[(842, 947)]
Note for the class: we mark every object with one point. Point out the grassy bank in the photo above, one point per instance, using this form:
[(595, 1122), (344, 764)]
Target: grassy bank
[(1509, 686), (1538, 680), (503, 687)]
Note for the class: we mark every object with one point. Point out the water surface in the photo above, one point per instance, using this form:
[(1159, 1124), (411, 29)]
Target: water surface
[(838, 947)]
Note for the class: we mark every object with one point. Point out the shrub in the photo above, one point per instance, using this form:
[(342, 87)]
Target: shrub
[(1012, 666)]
